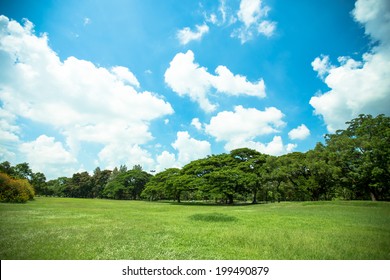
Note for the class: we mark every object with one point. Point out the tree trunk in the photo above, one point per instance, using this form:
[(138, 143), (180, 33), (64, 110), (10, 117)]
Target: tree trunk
[(373, 197), (230, 198), (254, 201)]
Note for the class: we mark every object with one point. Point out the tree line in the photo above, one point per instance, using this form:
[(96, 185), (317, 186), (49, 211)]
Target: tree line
[(119, 183), (353, 163)]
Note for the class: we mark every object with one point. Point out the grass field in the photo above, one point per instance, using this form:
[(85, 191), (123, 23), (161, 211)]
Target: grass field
[(64, 228)]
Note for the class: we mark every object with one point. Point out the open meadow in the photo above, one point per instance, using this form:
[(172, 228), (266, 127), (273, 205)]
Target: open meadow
[(69, 228)]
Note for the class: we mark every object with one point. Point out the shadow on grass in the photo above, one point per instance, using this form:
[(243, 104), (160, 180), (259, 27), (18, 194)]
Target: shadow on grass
[(206, 203), (212, 217)]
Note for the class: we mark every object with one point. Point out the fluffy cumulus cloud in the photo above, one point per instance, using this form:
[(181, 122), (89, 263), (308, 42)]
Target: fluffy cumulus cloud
[(44, 152), (166, 160), (228, 83), (186, 35), (245, 123), (252, 14), (358, 86), (124, 74), (196, 123), (189, 148), (321, 65), (299, 133), (82, 101), (375, 16), (130, 154), (186, 77), (241, 127), (275, 147)]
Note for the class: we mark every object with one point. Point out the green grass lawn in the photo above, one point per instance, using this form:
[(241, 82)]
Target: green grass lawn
[(66, 228)]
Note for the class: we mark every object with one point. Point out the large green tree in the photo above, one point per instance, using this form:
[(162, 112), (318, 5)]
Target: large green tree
[(362, 151), (293, 171), (323, 177), (80, 185), (38, 181), (58, 187), (7, 168), (23, 171), (99, 180), (165, 185), (218, 176), (126, 184), (226, 181), (252, 164)]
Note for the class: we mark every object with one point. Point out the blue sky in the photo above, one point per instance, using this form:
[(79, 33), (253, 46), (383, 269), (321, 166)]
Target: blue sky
[(161, 83)]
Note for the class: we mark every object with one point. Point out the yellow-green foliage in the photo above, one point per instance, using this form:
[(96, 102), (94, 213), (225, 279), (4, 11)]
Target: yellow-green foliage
[(15, 190)]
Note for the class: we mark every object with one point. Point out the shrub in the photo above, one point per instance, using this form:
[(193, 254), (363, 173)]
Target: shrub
[(15, 190)]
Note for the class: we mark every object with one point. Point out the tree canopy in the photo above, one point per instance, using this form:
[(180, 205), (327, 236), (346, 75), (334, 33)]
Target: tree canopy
[(353, 163)]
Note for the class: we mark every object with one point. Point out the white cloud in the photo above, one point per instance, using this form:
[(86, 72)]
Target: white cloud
[(240, 129), (118, 153), (8, 131), (358, 87), (82, 101), (190, 149), (45, 149), (196, 123), (186, 77), (290, 148), (212, 18), (321, 65), (45, 154), (123, 74), (222, 9), (375, 16), (186, 35), (9, 136), (244, 124), (275, 147), (6, 154), (252, 14), (166, 160), (222, 16), (267, 28), (299, 133), (249, 21), (231, 84), (106, 133)]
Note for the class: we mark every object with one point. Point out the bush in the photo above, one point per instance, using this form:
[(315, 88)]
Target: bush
[(15, 190)]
